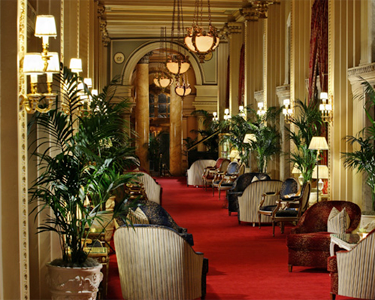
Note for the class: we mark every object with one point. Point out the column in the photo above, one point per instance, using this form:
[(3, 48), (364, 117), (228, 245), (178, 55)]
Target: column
[(175, 135), (142, 121), (201, 126), (235, 44)]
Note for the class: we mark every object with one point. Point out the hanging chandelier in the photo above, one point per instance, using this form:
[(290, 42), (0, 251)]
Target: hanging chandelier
[(198, 40), (161, 79), (177, 63), (183, 88), (261, 7)]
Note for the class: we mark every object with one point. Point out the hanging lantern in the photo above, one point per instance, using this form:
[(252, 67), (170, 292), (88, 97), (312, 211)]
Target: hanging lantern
[(198, 40), (183, 89), (162, 80)]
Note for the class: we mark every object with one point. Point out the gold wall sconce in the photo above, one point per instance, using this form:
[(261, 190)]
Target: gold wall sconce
[(287, 111), (326, 107)]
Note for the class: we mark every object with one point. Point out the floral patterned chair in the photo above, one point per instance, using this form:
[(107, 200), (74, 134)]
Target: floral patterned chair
[(239, 186), (353, 272), (309, 242)]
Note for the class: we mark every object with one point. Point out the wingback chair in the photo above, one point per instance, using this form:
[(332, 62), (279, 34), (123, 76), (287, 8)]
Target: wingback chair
[(239, 186), (224, 181), (154, 262), (152, 188), (210, 171), (309, 242), (353, 272), (248, 202), (194, 173)]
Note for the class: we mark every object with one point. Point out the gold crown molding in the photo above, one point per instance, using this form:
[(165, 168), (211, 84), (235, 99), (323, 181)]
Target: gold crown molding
[(234, 27), (23, 234), (250, 14)]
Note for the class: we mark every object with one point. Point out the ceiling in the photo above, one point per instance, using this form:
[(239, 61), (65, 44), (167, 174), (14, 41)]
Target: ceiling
[(144, 18)]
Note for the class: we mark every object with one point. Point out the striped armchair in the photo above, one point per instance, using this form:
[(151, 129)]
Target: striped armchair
[(156, 263), (353, 272), (152, 188), (248, 202)]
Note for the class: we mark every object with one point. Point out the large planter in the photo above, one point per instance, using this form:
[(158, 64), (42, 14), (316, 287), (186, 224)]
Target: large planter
[(74, 283)]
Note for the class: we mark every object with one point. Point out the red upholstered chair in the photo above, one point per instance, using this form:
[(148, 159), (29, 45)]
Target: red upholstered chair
[(309, 242), (353, 272), (210, 172)]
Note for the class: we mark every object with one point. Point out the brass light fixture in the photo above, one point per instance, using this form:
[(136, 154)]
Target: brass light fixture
[(161, 79), (177, 63), (183, 88), (45, 63), (215, 118), (261, 7), (287, 111), (227, 116), (199, 40), (261, 112), (326, 107)]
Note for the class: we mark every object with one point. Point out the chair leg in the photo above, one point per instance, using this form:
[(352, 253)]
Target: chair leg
[(213, 190), (219, 192), (333, 296), (273, 228), (282, 227), (259, 217), (290, 267)]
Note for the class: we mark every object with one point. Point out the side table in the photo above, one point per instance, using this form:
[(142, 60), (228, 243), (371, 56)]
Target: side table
[(102, 256), (346, 241)]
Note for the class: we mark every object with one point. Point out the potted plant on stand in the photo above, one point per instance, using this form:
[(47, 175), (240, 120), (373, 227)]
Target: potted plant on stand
[(363, 159), (69, 171)]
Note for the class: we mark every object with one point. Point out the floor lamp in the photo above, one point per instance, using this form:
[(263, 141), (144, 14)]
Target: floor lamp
[(318, 143)]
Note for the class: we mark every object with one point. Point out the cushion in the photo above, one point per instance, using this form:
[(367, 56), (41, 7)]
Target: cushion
[(255, 179), (314, 241), (338, 222)]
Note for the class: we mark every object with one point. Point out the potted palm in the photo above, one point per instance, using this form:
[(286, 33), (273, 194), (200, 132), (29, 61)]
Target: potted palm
[(363, 159), (307, 124), (71, 169)]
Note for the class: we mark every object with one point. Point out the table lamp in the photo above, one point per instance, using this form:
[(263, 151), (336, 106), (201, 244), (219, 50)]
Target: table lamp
[(318, 143), (322, 170)]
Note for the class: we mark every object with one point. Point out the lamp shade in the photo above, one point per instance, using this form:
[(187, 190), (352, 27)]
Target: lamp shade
[(75, 65), (88, 82), (234, 154), (323, 172), (296, 170), (249, 137), (33, 64), (53, 63), (318, 143), (45, 26)]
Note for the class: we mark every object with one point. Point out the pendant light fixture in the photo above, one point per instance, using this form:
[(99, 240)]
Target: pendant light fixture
[(183, 88), (161, 79), (177, 63), (199, 40)]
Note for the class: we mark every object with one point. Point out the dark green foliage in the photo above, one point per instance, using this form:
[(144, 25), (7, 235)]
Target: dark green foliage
[(307, 124), (363, 159), (75, 164)]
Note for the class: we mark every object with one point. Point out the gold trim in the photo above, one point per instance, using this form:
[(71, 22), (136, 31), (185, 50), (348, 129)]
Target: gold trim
[(331, 36), (22, 159)]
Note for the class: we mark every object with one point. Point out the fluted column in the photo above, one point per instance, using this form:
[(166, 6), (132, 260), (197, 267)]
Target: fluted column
[(235, 44), (175, 135), (142, 122)]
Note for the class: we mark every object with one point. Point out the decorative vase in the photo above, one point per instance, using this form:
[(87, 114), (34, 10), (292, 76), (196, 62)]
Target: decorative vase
[(74, 283)]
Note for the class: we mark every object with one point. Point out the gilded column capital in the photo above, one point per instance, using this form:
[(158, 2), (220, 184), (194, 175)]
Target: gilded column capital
[(104, 31), (234, 28), (145, 59), (101, 10), (250, 14)]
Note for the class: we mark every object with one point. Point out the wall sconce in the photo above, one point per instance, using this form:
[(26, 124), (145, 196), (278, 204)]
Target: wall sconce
[(261, 112), (215, 118), (287, 111), (326, 107), (35, 64), (226, 114)]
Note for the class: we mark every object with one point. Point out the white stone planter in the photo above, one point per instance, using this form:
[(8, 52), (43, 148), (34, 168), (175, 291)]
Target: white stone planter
[(74, 283)]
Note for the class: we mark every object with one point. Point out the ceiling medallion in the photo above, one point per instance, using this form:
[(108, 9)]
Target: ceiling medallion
[(199, 40)]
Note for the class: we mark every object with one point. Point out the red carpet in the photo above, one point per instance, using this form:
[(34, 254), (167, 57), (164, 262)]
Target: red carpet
[(245, 262)]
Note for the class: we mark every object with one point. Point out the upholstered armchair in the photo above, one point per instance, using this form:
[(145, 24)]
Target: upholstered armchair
[(152, 189), (353, 272), (309, 242), (239, 186), (292, 203), (154, 262), (210, 171), (224, 181), (194, 173), (149, 212), (248, 202)]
